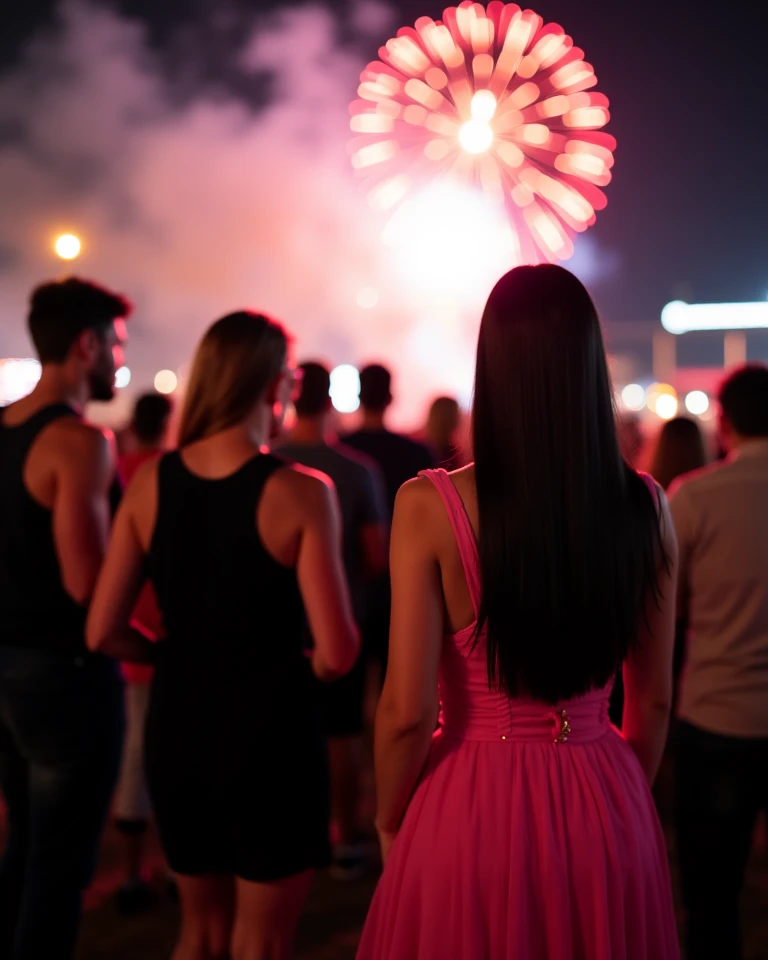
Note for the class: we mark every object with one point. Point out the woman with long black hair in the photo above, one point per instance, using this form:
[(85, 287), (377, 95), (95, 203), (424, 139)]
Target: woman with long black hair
[(524, 828)]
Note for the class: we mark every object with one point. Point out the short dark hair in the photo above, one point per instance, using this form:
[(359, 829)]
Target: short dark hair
[(744, 400), (61, 310), (150, 417), (375, 387), (315, 396)]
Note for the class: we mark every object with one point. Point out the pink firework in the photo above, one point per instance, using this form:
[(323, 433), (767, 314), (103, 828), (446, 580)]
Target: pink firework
[(494, 98)]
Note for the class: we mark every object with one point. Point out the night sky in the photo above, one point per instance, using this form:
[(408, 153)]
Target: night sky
[(688, 205)]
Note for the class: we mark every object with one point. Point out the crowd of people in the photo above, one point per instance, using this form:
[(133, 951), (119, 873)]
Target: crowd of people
[(191, 626)]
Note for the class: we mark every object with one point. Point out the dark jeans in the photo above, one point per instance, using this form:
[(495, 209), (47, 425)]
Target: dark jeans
[(721, 785), (61, 726)]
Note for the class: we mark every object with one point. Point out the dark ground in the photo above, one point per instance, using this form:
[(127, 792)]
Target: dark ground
[(335, 912), (334, 915)]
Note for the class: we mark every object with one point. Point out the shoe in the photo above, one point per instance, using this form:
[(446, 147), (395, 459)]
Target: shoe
[(133, 898), (350, 861)]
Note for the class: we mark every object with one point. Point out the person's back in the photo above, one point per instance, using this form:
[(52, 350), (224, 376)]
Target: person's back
[(60, 708), (679, 450), (146, 435), (722, 522), (722, 737), (36, 610), (212, 579), (399, 457), (525, 827), (358, 482), (238, 546)]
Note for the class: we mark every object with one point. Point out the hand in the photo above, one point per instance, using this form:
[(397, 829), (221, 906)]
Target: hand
[(386, 839)]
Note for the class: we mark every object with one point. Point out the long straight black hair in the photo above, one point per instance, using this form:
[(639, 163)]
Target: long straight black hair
[(569, 535)]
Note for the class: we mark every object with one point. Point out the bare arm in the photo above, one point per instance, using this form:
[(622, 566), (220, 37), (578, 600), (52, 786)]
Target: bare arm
[(81, 510), (323, 585), (648, 672), (109, 628), (407, 713)]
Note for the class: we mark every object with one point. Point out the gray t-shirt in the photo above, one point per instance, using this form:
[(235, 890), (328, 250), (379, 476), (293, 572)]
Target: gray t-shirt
[(360, 489)]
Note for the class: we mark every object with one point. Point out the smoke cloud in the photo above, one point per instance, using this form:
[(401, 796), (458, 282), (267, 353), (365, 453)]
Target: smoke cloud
[(199, 205)]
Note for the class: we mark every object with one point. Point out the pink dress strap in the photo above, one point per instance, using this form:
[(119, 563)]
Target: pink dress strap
[(462, 530)]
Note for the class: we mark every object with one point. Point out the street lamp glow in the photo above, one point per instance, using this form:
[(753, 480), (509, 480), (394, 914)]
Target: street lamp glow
[(696, 402), (633, 396), (680, 317), (68, 246)]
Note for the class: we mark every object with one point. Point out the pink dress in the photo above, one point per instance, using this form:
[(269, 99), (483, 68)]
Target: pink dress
[(532, 834)]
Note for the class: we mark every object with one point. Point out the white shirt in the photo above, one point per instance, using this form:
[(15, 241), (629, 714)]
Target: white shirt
[(721, 519)]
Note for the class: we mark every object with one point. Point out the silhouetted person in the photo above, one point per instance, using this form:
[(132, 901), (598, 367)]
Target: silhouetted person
[(401, 459), (679, 449), (360, 490), (60, 706), (442, 433), (148, 431), (721, 517)]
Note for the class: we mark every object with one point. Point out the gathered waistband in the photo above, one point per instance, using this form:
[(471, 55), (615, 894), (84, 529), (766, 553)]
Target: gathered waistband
[(575, 722)]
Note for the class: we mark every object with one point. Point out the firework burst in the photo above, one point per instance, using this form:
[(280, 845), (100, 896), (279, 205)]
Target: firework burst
[(493, 98)]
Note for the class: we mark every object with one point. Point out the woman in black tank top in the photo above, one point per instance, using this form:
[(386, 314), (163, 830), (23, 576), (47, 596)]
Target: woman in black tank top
[(240, 548)]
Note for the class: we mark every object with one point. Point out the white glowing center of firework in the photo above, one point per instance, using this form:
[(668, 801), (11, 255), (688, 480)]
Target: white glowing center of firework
[(476, 135)]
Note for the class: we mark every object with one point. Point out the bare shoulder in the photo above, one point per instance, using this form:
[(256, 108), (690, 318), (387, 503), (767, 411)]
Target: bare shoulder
[(144, 481), (417, 502), (301, 487), (78, 444)]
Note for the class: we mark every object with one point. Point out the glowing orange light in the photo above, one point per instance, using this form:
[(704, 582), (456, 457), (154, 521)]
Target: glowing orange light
[(489, 95), (67, 246)]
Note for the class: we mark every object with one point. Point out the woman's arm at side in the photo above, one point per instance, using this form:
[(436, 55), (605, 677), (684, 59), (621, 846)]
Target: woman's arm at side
[(648, 671), (109, 627), (322, 581), (407, 713)]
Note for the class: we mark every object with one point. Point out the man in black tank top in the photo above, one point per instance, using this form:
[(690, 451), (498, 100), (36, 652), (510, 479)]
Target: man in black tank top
[(60, 707)]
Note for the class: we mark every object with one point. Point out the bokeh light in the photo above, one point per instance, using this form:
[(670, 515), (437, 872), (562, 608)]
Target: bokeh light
[(345, 388), (367, 298), (655, 392), (17, 379), (666, 407), (696, 402), (122, 377), (68, 246), (494, 98), (633, 396), (166, 381)]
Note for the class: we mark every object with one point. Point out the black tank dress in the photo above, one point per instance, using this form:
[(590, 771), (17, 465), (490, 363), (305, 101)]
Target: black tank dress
[(235, 753)]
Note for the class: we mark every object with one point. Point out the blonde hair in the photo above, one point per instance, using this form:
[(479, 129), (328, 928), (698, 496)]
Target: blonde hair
[(235, 363)]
